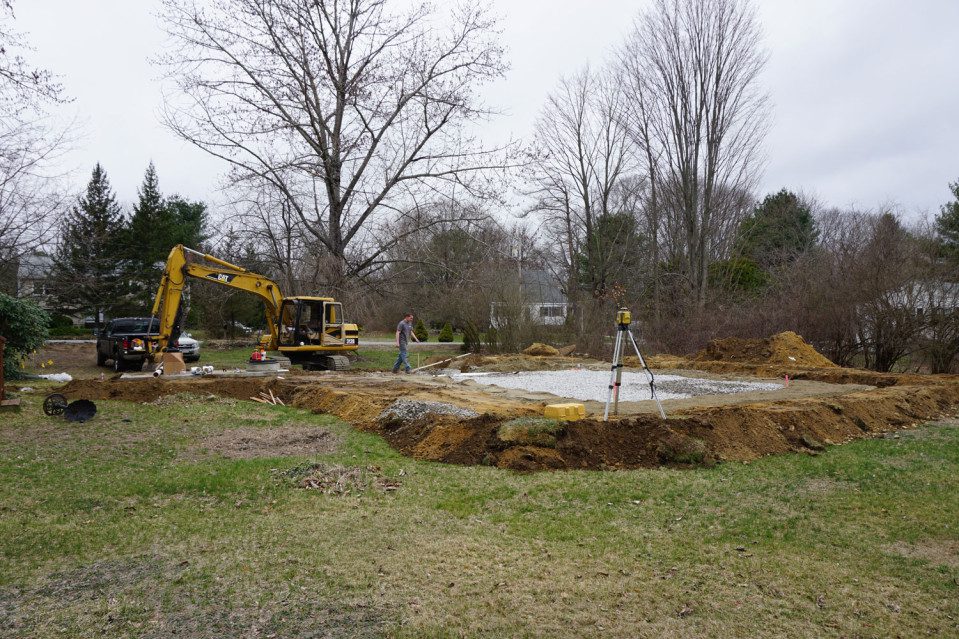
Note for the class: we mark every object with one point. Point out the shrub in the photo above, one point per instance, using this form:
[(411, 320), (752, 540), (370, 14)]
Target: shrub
[(24, 324), (446, 334), (60, 321), (471, 339), (492, 340), (420, 331)]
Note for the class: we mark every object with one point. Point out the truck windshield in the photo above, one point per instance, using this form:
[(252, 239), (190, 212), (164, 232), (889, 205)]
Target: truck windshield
[(144, 325)]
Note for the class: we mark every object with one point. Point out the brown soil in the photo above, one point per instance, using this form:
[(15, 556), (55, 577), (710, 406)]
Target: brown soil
[(540, 350), (692, 434), (784, 349), (286, 441)]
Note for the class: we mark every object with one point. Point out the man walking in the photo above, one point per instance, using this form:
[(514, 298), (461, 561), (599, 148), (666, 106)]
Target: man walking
[(404, 330)]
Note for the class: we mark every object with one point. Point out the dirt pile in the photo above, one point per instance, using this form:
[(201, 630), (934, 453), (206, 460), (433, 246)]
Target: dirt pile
[(540, 350), (702, 436), (784, 349), (153, 388)]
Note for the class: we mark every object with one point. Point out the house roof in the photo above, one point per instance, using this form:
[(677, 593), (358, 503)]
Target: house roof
[(34, 266), (539, 286)]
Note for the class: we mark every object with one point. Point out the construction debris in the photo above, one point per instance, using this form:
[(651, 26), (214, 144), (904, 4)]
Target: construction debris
[(270, 398), (339, 480), (445, 361)]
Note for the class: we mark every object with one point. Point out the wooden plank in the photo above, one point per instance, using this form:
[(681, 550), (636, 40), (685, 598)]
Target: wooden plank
[(443, 362)]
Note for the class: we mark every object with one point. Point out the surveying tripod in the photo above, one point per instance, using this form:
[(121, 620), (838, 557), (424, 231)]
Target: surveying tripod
[(623, 319)]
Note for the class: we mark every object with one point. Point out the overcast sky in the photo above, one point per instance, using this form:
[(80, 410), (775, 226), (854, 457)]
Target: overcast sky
[(865, 92)]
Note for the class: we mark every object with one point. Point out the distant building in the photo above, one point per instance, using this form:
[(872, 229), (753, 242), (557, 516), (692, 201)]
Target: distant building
[(33, 272), (543, 300)]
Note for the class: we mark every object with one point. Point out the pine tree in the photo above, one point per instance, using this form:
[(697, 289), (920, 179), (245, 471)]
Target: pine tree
[(446, 334), (947, 224), (420, 331), (87, 275), (157, 225), (781, 227), (147, 239)]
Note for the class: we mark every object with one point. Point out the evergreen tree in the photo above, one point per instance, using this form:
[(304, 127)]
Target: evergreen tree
[(145, 237), (780, 228), (87, 275), (947, 224), (446, 335), (189, 220), (157, 225), (420, 330)]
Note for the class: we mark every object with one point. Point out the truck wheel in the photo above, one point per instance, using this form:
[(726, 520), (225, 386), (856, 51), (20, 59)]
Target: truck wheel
[(118, 365), (101, 359)]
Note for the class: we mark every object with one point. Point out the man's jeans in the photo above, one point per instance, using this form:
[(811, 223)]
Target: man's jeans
[(402, 360)]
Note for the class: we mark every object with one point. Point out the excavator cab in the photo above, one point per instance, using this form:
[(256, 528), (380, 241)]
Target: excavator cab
[(311, 328)]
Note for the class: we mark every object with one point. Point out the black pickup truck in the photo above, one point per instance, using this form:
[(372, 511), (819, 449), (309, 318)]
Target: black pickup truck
[(126, 341)]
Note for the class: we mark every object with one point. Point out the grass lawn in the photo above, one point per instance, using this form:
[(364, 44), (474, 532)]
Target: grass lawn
[(125, 526)]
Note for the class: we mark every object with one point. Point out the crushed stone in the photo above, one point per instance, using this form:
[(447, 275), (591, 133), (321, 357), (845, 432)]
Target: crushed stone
[(590, 385), (411, 410)]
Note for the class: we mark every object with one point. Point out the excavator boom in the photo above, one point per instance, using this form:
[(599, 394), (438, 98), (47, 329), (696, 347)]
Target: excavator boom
[(179, 267)]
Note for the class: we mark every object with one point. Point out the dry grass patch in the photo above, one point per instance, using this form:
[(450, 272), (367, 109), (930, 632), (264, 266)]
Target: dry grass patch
[(938, 552), (283, 441)]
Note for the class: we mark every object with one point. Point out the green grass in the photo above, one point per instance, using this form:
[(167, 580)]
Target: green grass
[(118, 528)]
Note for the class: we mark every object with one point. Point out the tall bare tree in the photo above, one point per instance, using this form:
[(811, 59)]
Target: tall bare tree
[(350, 109), (578, 173), (30, 188), (698, 116)]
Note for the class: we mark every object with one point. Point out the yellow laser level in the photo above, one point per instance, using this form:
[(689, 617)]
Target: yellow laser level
[(623, 317)]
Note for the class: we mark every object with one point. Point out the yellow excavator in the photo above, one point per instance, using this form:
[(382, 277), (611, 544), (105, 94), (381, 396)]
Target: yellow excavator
[(309, 330)]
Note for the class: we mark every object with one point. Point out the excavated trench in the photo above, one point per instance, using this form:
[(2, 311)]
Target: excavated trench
[(700, 433)]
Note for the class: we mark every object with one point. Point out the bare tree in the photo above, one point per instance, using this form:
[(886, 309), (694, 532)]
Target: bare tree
[(578, 174), (23, 86), (351, 110), (30, 186), (698, 117)]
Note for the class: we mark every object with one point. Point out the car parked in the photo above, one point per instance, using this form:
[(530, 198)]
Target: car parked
[(127, 342), (189, 347)]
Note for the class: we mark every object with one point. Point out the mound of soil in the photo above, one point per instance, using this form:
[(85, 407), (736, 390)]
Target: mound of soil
[(286, 441), (741, 432), (540, 350), (784, 349)]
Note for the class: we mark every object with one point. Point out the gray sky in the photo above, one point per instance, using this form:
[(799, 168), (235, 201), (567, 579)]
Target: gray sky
[(865, 92)]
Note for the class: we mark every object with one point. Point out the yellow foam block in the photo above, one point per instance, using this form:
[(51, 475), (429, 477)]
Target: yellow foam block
[(565, 411)]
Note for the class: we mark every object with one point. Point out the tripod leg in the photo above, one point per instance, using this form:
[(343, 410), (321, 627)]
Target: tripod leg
[(649, 373), (612, 374), (619, 376)]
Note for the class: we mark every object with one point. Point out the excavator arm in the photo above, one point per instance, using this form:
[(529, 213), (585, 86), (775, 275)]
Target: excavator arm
[(183, 263)]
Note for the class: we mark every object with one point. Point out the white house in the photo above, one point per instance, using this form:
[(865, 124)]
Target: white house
[(543, 300)]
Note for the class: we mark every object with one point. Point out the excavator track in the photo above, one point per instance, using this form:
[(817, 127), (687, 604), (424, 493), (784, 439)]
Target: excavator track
[(328, 363)]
